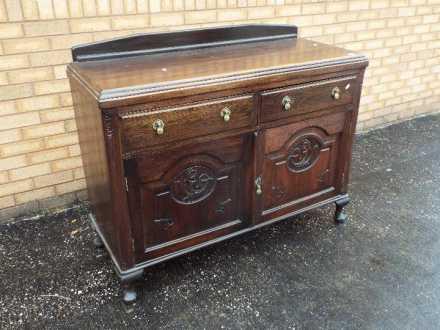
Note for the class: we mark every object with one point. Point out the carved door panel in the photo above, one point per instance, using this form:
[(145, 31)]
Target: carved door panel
[(300, 164), (188, 195)]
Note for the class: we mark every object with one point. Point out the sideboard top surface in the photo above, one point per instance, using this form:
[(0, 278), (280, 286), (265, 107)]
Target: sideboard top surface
[(126, 76)]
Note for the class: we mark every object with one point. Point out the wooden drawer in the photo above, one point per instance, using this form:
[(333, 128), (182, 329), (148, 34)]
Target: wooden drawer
[(141, 129), (286, 102)]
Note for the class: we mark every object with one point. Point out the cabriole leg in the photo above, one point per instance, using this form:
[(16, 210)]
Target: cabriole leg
[(340, 216), (128, 286)]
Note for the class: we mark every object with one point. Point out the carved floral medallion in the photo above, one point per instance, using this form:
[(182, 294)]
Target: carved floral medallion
[(193, 184), (303, 153)]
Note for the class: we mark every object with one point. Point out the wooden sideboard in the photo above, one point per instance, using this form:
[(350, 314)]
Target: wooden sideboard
[(193, 137)]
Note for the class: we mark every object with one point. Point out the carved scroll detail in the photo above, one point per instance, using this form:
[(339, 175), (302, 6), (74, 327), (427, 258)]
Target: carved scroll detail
[(324, 176), (279, 192), (221, 207), (193, 184)]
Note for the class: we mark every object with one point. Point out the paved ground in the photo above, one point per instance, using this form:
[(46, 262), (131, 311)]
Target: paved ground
[(380, 271)]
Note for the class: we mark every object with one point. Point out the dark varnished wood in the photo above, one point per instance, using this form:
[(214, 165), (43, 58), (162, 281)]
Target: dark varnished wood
[(176, 68), (176, 74), (300, 163), (189, 193), (306, 97), (92, 137), (147, 44), (156, 196), (186, 121)]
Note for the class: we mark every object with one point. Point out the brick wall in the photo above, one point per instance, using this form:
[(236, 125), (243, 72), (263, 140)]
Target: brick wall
[(40, 162)]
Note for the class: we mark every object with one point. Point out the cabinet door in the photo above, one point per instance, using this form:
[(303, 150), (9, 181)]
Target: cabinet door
[(301, 164), (185, 196)]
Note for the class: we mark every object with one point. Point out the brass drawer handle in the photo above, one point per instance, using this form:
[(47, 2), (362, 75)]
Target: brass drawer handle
[(226, 114), (287, 103), (336, 93), (159, 126)]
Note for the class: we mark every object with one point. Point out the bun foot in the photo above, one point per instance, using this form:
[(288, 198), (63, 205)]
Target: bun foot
[(129, 294), (340, 216), (128, 286), (97, 242)]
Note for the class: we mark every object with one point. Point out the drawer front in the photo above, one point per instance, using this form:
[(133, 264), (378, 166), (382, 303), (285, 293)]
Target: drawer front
[(166, 125), (282, 103)]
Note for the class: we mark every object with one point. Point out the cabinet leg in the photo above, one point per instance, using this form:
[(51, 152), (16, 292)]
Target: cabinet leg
[(97, 242), (128, 286), (340, 216)]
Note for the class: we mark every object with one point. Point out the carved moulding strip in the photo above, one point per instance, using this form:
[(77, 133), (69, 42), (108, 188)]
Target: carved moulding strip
[(107, 123)]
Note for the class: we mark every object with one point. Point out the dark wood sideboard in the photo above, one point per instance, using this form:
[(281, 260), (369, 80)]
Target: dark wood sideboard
[(189, 138)]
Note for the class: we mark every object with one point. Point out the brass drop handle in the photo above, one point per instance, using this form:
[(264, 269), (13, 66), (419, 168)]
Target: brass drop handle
[(287, 103), (336, 93), (159, 126), (226, 114), (258, 186)]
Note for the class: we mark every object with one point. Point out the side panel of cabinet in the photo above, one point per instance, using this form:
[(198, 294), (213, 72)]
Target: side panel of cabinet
[(301, 164), (182, 197), (100, 149)]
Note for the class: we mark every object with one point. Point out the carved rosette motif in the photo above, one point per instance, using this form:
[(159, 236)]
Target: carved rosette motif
[(193, 184), (303, 153)]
